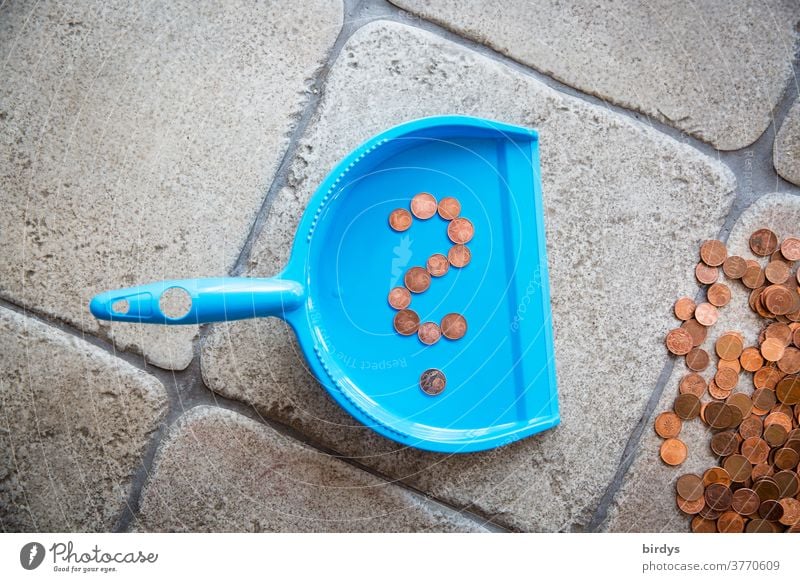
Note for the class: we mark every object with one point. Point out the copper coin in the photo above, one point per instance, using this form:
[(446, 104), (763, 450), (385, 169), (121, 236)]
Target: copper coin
[(406, 322), (417, 279), (459, 256), (771, 510), (449, 208), (779, 331), (786, 458), (734, 267), (716, 392), (729, 346), (759, 526), (775, 435), (697, 331), (730, 522), (772, 349), (399, 298), (753, 276), (686, 406), (790, 249), (726, 378), (761, 470), (764, 398), (719, 294), (703, 525), (718, 497), (718, 415), (668, 425), (791, 511), (730, 364), (713, 253), (706, 314), (751, 427), (738, 467), (763, 242), (429, 333), (460, 231), (755, 450), (454, 326), (423, 205), (796, 337), (400, 219), (788, 390), (697, 359), (690, 487), (778, 299), (679, 341), (751, 359), (709, 513), (790, 362), (684, 308), (779, 418), (673, 452), (742, 402), (692, 384), (766, 488), (788, 483), (432, 382), (690, 506), (767, 377), (716, 475), (437, 265), (776, 272), (706, 274), (745, 501), (725, 444)]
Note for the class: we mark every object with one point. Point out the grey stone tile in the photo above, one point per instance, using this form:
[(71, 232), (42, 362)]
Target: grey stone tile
[(625, 206), (646, 500), (713, 69), (137, 142), (74, 423), (219, 471), (786, 154)]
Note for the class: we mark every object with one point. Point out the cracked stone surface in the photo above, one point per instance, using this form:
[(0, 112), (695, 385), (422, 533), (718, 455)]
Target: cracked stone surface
[(787, 146), (220, 471), (620, 199), (74, 423), (646, 500), (713, 69), (137, 142)]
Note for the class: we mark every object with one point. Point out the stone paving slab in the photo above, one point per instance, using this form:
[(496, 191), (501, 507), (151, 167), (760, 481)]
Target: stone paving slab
[(74, 423), (137, 142), (714, 69), (220, 471), (646, 501), (625, 206), (786, 154)]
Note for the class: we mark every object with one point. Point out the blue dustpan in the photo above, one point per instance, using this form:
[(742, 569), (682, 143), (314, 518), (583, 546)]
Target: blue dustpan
[(501, 383)]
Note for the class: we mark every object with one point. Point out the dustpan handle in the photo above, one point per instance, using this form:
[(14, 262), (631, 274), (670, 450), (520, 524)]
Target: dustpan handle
[(212, 300)]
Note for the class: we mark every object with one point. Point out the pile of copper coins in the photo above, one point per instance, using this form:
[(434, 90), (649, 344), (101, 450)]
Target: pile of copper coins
[(754, 431), (418, 279)]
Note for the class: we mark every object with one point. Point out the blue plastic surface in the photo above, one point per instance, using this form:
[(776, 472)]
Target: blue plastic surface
[(501, 382)]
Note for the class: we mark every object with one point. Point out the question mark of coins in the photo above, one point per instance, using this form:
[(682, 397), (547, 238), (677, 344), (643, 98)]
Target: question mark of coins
[(453, 326)]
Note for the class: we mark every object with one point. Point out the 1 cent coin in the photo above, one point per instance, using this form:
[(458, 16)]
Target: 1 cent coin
[(697, 331), (459, 256), (460, 231), (449, 208), (692, 384), (432, 382), (729, 346), (406, 322), (718, 497), (417, 279), (423, 205), (399, 298), (400, 219), (730, 522), (690, 506), (679, 341), (763, 242), (687, 406), (684, 308), (776, 272), (454, 326), (668, 425)]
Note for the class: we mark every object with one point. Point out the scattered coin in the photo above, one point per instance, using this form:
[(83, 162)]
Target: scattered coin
[(706, 314), (745, 501), (684, 308), (686, 406), (719, 294), (423, 205), (679, 341), (776, 272), (713, 253), (751, 359), (437, 265), (702, 525), (399, 298), (696, 330), (729, 346), (690, 506), (753, 276), (693, 384), (790, 248), (725, 443), (432, 382), (763, 242), (738, 467), (706, 274), (690, 487), (454, 326), (726, 378), (668, 425), (730, 522), (718, 497), (417, 279), (772, 349), (406, 322), (449, 208), (788, 390), (673, 451), (429, 333), (460, 231), (697, 359), (459, 256), (400, 219), (734, 267)]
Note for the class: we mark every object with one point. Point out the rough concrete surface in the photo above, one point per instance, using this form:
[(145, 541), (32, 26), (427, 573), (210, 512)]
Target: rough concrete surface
[(219, 471), (646, 500), (624, 205), (714, 69), (74, 422), (137, 141), (786, 152)]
